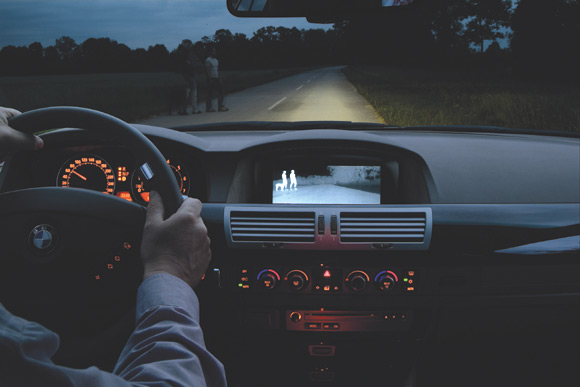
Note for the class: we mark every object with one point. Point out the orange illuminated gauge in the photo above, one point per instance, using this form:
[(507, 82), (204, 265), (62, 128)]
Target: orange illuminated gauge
[(89, 172), (141, 189)]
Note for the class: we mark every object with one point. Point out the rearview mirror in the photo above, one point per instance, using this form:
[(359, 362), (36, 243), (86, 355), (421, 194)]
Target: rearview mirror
[(311, 9)]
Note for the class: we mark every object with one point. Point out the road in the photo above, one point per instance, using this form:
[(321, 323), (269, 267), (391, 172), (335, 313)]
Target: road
[(325, 194), (322, 94)]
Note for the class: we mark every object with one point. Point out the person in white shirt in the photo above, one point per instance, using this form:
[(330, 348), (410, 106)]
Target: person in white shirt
[(167, 345), (214, 83), (292, 180)]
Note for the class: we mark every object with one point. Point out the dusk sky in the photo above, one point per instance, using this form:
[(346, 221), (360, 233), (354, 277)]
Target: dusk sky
[(136, 23)]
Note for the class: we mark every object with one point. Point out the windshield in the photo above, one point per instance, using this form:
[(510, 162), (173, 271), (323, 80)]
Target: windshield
[(188, 62)]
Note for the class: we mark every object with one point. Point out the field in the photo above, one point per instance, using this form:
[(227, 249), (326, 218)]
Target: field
[(410, 97), (129, 96)]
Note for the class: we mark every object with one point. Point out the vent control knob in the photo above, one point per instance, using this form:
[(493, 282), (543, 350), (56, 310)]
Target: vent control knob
[(268, 279), (357, 280), (297, 279)]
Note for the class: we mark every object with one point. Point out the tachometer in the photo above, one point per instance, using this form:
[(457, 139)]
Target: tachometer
[(141, 190), (89, 172)]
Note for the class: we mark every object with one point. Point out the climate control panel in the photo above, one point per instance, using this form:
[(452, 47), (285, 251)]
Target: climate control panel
[(326, 279)]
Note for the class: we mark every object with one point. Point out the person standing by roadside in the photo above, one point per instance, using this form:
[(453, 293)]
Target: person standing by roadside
[(191, 65), (214, 83)]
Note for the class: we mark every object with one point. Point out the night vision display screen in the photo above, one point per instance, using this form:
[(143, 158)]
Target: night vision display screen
[(327, 184)]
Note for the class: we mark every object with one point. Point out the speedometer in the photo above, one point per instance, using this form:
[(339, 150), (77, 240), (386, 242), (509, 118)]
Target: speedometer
[(89, 172), (141, 190)]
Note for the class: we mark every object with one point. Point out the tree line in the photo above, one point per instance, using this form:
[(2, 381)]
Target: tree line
[(543, 36)]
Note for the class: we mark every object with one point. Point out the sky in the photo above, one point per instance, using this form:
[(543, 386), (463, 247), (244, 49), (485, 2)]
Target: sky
[(136, 23)]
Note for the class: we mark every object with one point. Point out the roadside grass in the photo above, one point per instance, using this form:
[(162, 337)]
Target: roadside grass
[(129, 96), (410, 97)]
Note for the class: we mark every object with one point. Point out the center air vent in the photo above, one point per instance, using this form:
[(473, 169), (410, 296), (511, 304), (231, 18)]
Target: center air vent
[(265, 226), (291, 227), (383, 227)]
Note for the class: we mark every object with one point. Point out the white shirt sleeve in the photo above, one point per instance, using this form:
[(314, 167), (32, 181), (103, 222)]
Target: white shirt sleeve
[(166, 348)]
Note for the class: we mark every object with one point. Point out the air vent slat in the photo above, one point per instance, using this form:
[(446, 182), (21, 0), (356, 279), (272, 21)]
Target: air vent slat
[(247, 235), (263, 224), (376, 239), (375, 219), (257, 219), (257, 226), (374, 236), (382, 230), (392, 227), (271, 230), (384, 224)]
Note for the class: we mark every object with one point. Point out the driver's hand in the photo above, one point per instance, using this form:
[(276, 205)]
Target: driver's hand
[(12, 140), (178, 245)]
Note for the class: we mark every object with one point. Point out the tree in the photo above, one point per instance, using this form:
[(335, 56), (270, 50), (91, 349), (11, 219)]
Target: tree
[(446, 27), (65, 47), (223, 37), (158, 58), (485, 20), (35, 58)]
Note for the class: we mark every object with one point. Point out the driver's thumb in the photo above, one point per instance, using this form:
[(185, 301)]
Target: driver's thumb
[(24, 141), (13, 140), (155, 208)]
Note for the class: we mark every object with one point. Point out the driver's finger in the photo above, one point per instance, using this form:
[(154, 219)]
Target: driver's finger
[(13, 140), (6, 113), (191, 206), (155, 208)]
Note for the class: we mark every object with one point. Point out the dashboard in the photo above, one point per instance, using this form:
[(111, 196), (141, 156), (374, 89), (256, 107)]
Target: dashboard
[(352, 256)]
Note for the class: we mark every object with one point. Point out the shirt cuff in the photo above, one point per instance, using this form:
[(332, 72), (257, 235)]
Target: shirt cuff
[(164, 289)]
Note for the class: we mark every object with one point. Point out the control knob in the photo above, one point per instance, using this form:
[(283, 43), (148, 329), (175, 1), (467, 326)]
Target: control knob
[(357, 280), (297, 279), (295, 317), (386, 280), (268, 279)]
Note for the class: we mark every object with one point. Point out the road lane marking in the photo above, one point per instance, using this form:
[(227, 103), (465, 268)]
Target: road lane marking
[(308, 81), (277, 103), (299, 87)]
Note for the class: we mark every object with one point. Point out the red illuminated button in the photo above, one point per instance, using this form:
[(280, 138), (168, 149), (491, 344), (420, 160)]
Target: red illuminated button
[(326, 274), (311, 325)]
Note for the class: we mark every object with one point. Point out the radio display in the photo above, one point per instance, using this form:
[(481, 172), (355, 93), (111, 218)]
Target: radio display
[(326, 184)]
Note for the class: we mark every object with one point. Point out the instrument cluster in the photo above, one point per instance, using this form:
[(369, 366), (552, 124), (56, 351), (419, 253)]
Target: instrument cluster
[(109, 170), (91, 171)]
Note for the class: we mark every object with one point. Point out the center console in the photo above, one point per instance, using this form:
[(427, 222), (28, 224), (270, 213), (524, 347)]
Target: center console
[(321, 267)]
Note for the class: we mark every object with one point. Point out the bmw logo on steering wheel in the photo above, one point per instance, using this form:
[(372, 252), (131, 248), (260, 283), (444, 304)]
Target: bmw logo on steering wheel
[(43, 239)]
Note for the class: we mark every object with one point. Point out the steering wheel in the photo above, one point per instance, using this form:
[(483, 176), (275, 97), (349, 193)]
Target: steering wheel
[(70, 257)]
